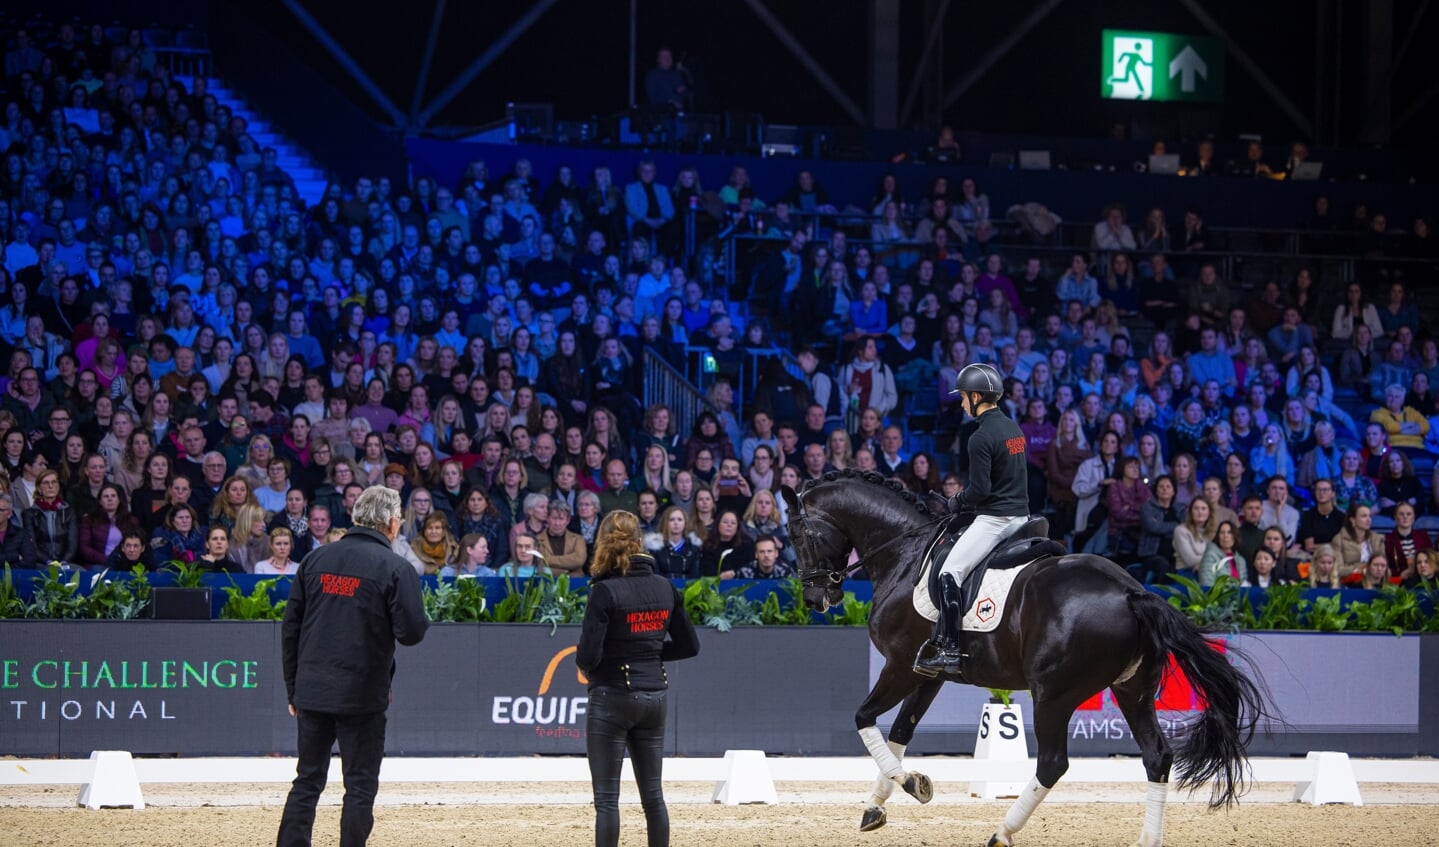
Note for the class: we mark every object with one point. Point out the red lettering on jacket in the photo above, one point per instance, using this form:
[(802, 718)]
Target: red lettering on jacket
[(1015, 445), (343, 586), (652, 621)]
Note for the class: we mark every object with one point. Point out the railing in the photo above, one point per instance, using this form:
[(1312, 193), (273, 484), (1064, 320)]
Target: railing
[(664, 384), (701, 371), (185, 61)]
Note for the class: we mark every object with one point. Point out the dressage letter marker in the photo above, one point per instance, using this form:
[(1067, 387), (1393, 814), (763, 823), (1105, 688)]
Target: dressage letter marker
[(1001, 738)]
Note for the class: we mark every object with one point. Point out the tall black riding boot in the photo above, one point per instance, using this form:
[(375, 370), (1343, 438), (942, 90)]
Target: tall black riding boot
[(946, 658)]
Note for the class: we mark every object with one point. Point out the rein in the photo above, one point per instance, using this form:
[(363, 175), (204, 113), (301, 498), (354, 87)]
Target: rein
[(839, 575)]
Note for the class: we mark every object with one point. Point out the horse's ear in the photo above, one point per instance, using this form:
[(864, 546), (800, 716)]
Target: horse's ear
[(791, 500)]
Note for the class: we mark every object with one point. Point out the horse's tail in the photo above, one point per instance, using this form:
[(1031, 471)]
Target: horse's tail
[(1213, 749)]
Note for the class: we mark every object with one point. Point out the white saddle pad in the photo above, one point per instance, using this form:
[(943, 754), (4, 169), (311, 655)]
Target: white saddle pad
[(988, 608)]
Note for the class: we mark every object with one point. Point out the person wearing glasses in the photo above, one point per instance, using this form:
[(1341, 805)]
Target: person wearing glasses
[(30, 406), (51, 521), (52, 446)]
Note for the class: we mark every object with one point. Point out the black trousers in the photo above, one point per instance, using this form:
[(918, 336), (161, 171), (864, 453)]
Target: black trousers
[(619, 719), (362, 747)]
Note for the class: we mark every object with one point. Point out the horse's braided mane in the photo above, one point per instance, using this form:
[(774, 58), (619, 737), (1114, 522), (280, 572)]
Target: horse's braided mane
[(873, 478)]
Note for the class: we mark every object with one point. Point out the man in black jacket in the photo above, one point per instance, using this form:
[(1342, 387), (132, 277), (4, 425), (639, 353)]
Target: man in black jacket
[(996, 490), (349, 603)]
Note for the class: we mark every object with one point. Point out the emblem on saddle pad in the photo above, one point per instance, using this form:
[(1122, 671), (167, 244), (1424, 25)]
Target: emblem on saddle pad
[(987, 611)]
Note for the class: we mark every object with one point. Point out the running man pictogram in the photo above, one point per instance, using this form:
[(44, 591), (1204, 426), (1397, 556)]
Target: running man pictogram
[(1132, 62)]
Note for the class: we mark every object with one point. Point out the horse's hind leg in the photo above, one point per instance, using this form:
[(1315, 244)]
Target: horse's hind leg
[(1135, 699), (1051, 734), (911, 711)]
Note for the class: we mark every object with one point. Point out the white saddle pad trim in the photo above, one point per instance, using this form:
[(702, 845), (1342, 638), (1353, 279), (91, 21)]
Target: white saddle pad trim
[(989, 602)]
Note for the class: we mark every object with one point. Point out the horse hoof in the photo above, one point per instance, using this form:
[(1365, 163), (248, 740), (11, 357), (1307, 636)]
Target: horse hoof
[(919, 786), (996, 841), (874, 818)]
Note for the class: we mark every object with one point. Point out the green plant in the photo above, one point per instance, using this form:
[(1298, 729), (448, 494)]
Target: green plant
[(795, 613), (254, 606), (1001, 694), (455, 601), (540, 599), (57, 594), (1395, 610), (708, 606), (1223, 605), (1284, 607), (11, 606), (852, 612), (1327, 614), (122, 598), (187, 574)]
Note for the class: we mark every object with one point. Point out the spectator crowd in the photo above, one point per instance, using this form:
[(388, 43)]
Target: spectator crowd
[(201, 367)]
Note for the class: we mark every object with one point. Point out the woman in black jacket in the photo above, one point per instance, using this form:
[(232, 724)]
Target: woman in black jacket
[(727, 548), (635, 621), (52, 522)]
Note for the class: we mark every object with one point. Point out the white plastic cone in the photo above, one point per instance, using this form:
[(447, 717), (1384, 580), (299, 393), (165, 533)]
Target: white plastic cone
[(1331, 780), (747, 779), (113, 783)]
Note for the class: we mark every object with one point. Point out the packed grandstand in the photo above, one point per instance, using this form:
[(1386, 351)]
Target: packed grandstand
[(202, 366)]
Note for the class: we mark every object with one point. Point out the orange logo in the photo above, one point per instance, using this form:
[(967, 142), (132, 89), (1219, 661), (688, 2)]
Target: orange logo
[(554, 665)]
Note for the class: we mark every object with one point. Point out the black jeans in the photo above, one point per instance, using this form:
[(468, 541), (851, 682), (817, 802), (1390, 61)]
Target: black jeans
[(620, 719), (362, 747)]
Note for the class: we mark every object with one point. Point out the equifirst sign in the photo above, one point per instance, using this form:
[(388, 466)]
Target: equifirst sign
[(544, 709)]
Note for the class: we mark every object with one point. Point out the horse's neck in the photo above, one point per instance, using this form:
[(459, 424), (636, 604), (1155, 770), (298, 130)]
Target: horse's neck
[(892, 563)]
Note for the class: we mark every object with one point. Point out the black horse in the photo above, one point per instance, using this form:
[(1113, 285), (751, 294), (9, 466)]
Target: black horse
[(1074, 625)]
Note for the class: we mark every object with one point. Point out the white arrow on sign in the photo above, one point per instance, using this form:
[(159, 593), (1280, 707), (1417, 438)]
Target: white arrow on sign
[(1185, 66)]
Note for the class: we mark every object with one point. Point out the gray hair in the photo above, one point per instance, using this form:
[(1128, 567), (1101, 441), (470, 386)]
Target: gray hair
[(376, 507), (559, 505), (534, 501)]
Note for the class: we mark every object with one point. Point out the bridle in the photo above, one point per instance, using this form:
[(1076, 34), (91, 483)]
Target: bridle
[(805, 539)]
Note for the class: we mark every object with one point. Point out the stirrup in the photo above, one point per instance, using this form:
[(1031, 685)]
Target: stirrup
[(944, 659)]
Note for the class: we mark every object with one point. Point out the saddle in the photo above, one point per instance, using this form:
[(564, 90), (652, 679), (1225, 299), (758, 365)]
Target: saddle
[(1030, 542)]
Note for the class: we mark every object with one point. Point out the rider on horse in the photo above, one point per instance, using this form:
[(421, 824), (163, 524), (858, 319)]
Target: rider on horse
[(997, 491)]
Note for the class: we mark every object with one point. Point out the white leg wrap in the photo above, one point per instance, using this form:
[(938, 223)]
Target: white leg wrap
[(1154, 798), (879, 751), (1023, 807), (883, 785)]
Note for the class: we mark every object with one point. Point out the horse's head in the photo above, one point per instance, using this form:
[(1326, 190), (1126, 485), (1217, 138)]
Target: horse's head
[(822, 552)]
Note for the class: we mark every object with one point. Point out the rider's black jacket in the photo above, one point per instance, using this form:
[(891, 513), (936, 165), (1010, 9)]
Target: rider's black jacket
[(998, 481)]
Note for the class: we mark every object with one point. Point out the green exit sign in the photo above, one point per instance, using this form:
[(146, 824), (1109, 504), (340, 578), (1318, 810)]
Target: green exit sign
[(1161, 66)]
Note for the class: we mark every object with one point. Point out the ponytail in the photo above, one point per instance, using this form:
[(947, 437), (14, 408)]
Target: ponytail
[(617, 539)]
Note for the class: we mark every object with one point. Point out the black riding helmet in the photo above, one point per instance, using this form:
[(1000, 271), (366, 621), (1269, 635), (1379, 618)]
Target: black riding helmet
[(980, 379)]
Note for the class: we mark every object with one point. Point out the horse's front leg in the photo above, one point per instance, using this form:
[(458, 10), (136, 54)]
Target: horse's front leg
[(896, 682)]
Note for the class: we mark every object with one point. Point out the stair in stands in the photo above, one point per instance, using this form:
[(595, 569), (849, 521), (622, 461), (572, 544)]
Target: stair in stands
[(309, 177)]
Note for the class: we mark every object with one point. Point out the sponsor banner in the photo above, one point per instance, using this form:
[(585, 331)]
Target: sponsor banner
[(216, 688), (1321, 687), (69, 687)]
